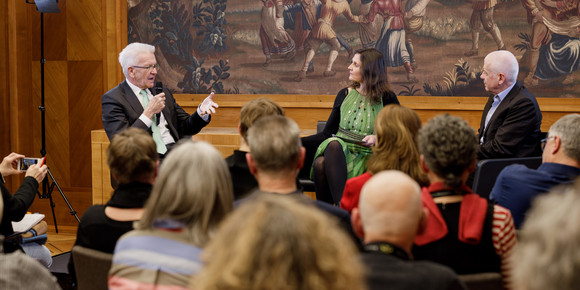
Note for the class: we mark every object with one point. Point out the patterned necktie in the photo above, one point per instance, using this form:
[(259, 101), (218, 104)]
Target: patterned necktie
[(161, 148)]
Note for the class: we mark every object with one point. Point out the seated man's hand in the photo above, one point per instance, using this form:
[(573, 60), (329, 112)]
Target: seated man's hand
[(37, 172), (207, 106), (9, 164)]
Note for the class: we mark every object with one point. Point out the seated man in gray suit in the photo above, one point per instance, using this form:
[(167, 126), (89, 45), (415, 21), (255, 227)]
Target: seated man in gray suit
[(133, 103), (389, 216), (517, 186), (510, 124)]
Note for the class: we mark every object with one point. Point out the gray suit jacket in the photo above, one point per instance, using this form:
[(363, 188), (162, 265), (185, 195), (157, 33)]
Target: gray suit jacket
[(121, 110)]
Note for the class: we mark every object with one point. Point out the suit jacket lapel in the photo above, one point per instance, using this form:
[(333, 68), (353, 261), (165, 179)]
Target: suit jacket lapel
[(505, 103), (484, 114), (132, 99)]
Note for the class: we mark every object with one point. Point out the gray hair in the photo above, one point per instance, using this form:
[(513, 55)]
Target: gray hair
[(274, 143), (129, 54), (449, 147), (194, 187), (503, 61), (568, 129), (547, 255)]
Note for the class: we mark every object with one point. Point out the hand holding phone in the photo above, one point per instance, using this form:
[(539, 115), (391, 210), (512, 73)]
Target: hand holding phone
[(37, 170), (9, 164), (25, 163)]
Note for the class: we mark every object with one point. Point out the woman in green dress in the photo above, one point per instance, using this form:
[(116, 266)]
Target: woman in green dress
[(344, 146)]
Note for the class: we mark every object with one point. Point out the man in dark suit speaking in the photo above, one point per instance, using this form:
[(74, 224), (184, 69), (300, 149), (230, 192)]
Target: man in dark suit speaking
[(510, 124), (133, 103)]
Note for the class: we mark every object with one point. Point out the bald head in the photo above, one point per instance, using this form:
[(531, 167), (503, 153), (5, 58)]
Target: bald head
[(390, 207)]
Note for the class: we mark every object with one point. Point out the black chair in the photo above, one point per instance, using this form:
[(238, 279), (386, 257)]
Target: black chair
[(487, 171), (305, 182)]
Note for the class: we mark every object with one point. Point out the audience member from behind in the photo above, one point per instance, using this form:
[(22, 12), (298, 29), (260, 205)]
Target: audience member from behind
[(16, 206), (180, 217), (395, 197), (464, 231), (510, 124), (280, 243), (396, 128), (243, 180), (133, 160), (342, 149), (276, 156), (18, 271), (547, 255), (516, 186)]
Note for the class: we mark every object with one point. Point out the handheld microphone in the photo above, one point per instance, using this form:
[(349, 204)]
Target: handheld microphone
[(158, 89)]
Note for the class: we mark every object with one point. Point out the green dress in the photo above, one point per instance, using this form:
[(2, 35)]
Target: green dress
[(357, 115)]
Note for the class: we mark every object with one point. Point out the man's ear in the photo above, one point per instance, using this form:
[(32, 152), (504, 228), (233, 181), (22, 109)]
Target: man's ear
[(557, 144), (424, 166), (156, 173), (251, 164), (423, 221), (301, 157), (501, 78), (357, 223)]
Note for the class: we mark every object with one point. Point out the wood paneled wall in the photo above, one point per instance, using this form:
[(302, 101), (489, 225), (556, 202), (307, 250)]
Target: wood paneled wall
[(81, 48), (81, 44)]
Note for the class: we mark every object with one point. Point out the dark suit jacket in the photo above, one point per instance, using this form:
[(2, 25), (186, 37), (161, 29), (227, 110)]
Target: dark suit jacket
[(514, 128), (243, 180), (390, 272), (121, 110)]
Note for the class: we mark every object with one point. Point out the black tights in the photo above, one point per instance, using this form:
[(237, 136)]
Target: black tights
[(330, 174)]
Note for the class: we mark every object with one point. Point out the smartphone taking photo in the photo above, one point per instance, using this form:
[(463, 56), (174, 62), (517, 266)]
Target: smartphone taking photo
[(25, 163)]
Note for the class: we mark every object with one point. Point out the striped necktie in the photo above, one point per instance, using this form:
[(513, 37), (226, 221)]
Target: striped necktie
[(161, 148)]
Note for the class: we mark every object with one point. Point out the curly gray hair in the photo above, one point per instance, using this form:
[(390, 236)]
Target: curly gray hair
[(449, 147)]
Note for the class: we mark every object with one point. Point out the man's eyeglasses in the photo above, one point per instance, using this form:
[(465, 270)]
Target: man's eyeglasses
[(149, 68), (544, 141)]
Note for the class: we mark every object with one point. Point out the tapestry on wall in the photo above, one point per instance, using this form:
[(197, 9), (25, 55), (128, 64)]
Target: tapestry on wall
[(432, 47)]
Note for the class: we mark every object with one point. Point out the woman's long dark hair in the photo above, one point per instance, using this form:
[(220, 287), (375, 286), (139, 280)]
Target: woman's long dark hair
[(374, 73)]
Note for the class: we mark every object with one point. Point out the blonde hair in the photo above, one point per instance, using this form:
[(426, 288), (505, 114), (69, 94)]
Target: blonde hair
[(281, 242), (194, 187), (397, 128), (255, 109), (132, 156)]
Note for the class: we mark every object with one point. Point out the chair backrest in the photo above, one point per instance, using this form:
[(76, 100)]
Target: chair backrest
[(482, 281), (91, 267), (306, 183), (320, 126), (487, 171)]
